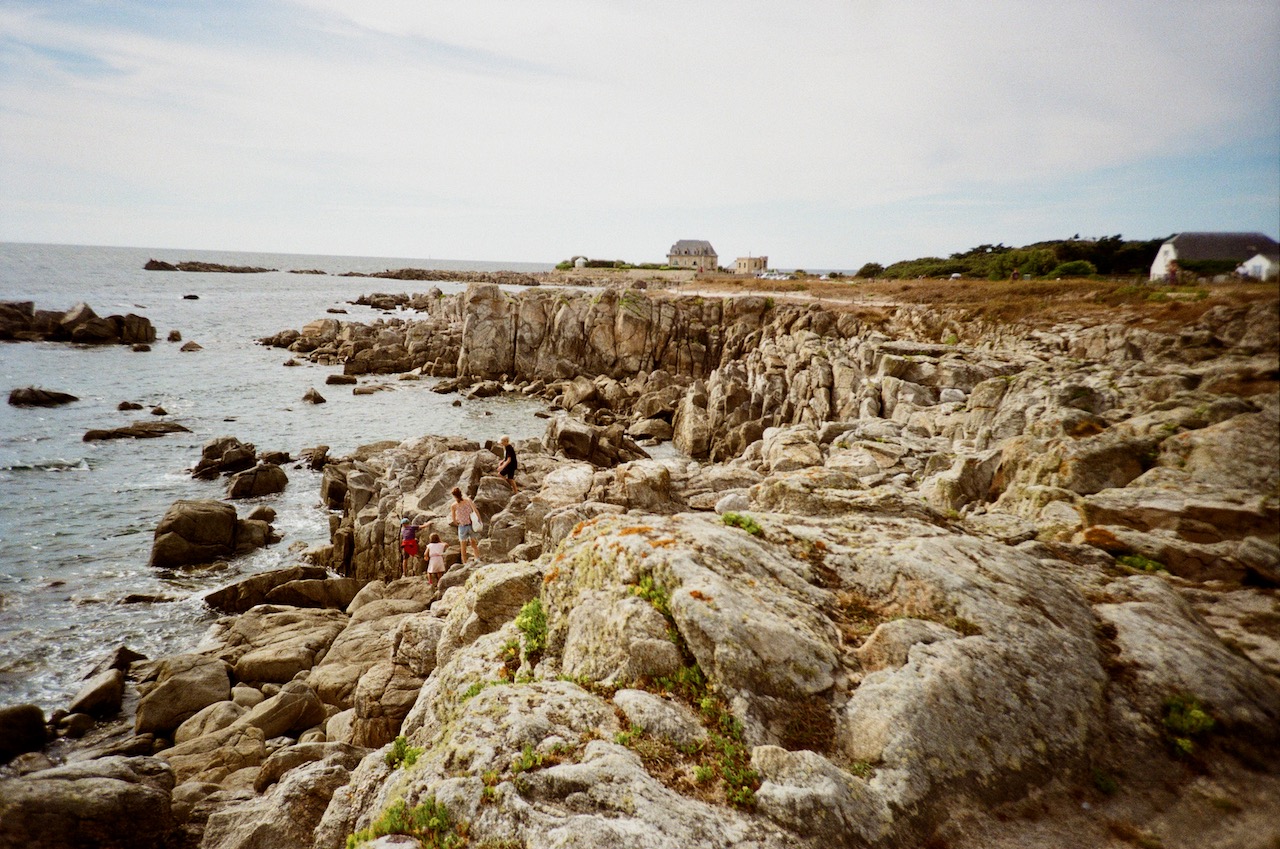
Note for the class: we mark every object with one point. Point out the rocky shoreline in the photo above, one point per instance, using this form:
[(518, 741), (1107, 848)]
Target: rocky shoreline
[(912, 580)]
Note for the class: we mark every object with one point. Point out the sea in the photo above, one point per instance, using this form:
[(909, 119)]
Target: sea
[(77, 519)]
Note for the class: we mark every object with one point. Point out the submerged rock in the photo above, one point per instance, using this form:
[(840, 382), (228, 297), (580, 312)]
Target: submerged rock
[(137, 430), (32, 396)]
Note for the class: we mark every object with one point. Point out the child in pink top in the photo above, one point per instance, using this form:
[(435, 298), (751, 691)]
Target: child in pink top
[(435, 559)]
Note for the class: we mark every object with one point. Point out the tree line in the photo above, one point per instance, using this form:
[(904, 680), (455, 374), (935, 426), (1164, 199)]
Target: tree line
[(1074, 257)]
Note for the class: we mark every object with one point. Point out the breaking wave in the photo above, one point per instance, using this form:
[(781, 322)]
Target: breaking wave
[(55, 465)]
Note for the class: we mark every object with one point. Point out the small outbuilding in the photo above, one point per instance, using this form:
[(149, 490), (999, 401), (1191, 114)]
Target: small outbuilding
[(1261, 266), (693, 253), (1209, 253), (750, 264)]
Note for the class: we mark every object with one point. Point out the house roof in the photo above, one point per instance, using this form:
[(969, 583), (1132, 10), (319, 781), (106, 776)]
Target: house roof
[(1224, 246), (692, 247)]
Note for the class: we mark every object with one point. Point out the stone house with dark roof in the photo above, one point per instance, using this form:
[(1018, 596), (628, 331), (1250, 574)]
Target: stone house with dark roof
[(1234, 248), (693, 253)]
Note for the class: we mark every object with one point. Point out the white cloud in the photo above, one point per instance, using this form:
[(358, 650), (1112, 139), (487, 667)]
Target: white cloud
[(507, 128)]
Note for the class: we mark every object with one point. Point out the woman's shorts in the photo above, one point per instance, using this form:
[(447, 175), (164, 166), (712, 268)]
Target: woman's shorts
[(464, 532)]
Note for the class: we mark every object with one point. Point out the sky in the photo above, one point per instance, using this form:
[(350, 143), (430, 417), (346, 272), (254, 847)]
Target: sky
[(821, 134)]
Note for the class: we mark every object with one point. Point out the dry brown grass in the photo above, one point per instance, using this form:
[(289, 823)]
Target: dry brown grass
[(1033, 302)]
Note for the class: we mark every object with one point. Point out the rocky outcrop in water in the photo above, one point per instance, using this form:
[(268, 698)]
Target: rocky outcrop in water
[(20, 321), (195, 532), (32, 396), (203, 267), (136, 430)]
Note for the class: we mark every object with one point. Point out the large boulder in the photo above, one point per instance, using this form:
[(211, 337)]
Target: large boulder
[(21, 730), (253, 590), (1167, 650), (491, 599), (367, 641), (213, 757), (101, 695), (288, 813), (107, 803), (209, 720), (273, 644), (264, 479), (196, 531), (324, 592), (600, 446), (175, 688), (382, 699), (15, 318), (224, 455), (135, 329), (291, 711), (789, 449), (1239, 453)]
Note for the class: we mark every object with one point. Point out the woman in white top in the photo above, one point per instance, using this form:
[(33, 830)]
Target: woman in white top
[(435, 559), (463, 514)]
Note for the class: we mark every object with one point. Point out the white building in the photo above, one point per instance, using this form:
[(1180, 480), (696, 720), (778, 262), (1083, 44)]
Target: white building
[(1261, 266), (1184, 248)]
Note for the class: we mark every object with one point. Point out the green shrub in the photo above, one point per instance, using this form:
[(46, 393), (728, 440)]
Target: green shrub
[(655, 594), (532, 623), (626, 738), (742, 520), (1074, 268), (1185, 719), (871, 269), (475, 689), (1105, 784), (688, 682), (529, 759), (429, 822), (1140, 563), (402, 754)]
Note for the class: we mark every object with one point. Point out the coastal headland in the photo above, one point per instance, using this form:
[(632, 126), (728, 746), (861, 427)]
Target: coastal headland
[(925, 571)]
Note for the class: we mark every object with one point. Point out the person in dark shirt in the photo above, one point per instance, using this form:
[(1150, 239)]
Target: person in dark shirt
[(408, 546), (507, 468)]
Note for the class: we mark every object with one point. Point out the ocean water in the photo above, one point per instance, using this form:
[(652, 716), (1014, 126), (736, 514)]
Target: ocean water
[(77, 518)]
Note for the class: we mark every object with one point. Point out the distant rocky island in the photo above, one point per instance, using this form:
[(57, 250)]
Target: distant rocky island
[(160, 265), (577, 277)]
